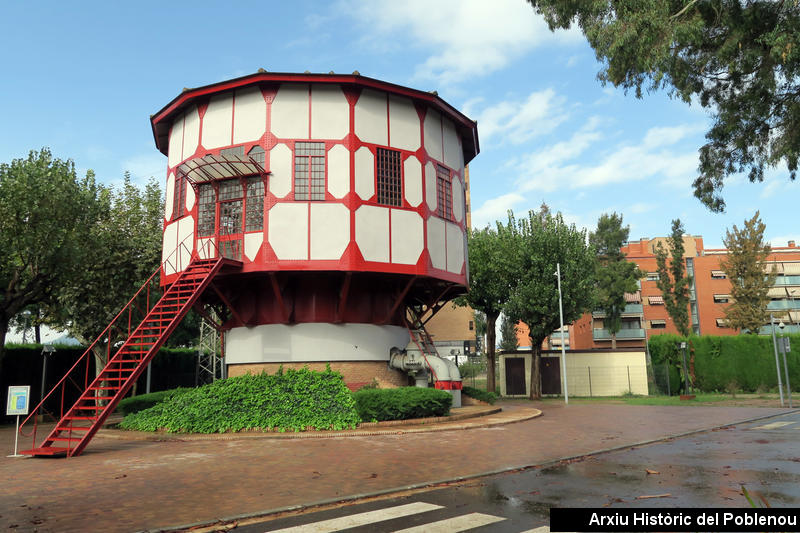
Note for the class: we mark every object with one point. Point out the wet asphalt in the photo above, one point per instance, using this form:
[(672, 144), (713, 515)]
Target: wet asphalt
[(707, 469)]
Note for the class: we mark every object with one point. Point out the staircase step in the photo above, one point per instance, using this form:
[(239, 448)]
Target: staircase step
[(80, 418), (65, 439), (74, 428), (46, 451)]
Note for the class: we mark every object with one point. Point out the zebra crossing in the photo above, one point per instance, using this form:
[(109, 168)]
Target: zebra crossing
[(778, 425), (377, 520)]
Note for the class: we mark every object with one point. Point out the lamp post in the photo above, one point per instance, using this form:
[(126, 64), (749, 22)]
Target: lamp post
[(686, 387), (777, 362), (785, 348), (47, 349), (561, 316)]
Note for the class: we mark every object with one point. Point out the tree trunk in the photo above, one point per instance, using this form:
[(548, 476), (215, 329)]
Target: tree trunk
[(536, 373), (491, 337), (37, 333), (613, 341), (3, 331), (100, 362)]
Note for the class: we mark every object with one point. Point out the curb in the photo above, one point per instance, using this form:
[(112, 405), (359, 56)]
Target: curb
[(416, 486)]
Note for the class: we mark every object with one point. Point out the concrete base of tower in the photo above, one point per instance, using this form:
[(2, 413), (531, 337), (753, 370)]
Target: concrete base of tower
[(359, 351)]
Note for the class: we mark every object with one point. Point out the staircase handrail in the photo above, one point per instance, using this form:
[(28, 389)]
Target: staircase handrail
[(84, 357)]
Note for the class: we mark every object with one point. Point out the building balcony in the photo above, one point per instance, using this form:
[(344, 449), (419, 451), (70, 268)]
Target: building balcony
[(630, 310), (787, 328), (623, 334), (560, 335), (775, 305), (784, 281)]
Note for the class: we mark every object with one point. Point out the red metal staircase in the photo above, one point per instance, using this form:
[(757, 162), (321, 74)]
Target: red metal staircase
[(79, 423)]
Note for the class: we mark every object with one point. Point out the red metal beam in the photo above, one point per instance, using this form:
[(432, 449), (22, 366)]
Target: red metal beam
[(228, 305), (278, 296), (343, 297), (399, 300)]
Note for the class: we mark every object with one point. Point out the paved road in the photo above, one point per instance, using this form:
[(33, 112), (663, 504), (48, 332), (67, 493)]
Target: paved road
[(706, 469)]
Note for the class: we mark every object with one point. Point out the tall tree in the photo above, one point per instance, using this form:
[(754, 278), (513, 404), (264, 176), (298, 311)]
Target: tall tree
[(508, 335), (745, 266), (672, 279), (45, 213), (739, 60), (613, 275), (543, 241), (491, 260)]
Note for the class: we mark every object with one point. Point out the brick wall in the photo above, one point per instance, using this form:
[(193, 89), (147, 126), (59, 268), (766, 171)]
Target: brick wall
[(356, 373)]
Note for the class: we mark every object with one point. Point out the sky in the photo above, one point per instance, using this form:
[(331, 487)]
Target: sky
[(83, 78)]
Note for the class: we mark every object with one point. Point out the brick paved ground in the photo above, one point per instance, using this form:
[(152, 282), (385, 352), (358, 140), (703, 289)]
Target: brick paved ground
[(128, 485)]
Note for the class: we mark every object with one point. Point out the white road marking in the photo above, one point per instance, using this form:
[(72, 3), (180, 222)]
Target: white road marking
[(452, 525), (543, 529), (775, 425), (363, 519)]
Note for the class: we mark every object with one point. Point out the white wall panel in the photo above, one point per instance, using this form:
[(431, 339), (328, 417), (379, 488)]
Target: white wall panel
[(288, 230), (205, 248), (252, 243), (365, 173), (190, 197), (372, 232), (280, 166), (169, 244), (175, 142), (170, 196), (330, 230), (370, 117), (455, 248), (458, 199), (250, 115), (289, 119), (191, 133), (453, 157), (330, 112), (412, 180), (218, 121), (436, 243), (408, 239), (404, 126), (433, 134), (339, 171), (430, 186), (185, 241)]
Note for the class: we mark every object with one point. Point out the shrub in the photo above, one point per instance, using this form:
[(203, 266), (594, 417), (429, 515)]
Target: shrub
[(471, 369), (401, 403), (295, 401), (134, 404), (478, 394)]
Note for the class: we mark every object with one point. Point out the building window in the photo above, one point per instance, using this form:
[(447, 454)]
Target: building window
[(256, 153), (658, 324), (721, 298), (653, 276), (179, 198), (230, 207), (718, 274), (389, 180), (233, 153), (471, 325), (722, 323), (309, 171), (254, 212), (206, 209), (444, 193)]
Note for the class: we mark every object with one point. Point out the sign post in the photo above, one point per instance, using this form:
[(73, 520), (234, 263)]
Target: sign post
[(18, 403)]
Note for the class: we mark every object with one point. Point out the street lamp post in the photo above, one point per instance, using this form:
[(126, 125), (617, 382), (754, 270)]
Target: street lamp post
[(777, 362), (47, 349), (785, 348), (561, 316), (686, 387)]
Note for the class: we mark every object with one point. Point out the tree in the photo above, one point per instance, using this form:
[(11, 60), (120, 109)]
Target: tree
[(750, 280), (543, 240), (508, 335), (672, 280), (739, 60), (613, 275), (45, 213), (491, 260)]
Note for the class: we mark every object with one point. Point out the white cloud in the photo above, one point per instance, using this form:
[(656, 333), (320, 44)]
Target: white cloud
[(495, 209), (466, 38), (519, 121)]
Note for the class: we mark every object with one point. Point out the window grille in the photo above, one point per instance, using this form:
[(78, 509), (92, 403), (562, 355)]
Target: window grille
[(179, 198), (254, 212), (653, 276), (444, 193), (206, 210), (389, 178), (230, 190), (309, 171), (237, 151), (257, 154), (230, 217)]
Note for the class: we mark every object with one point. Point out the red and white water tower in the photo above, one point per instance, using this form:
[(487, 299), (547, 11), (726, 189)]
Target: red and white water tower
[(344, 199)]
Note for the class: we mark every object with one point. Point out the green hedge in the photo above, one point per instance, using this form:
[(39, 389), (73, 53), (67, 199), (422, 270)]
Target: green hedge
[(744, 362), (401, 403), (134, 404), (478, 394), (292, 401)]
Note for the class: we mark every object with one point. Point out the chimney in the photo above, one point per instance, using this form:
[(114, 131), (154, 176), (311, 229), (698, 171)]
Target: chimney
[(791, 244)]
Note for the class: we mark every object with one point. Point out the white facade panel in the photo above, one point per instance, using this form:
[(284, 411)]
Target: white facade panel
[(289, 118), (330, 230), (330, 112), (205, 248), (458, 199), (168, 247), (191, 133), (453, 157), (185, 241), (338, 171), (372, 232), (370, 118), (252, 243), (412, 180), (218, 121), (175, 150), (436, 243), (288, 230), (170, 196), (365, 173), (404, 124), (455, 248), (433, 134), (408, 239), (312, 342), (190, 197), (280, 164), (250, 115), (430, 186)]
